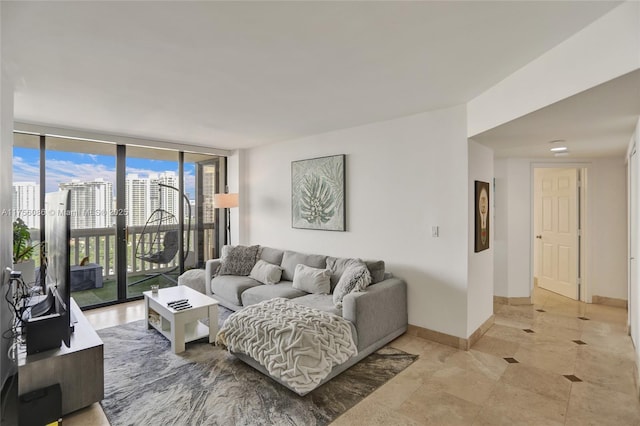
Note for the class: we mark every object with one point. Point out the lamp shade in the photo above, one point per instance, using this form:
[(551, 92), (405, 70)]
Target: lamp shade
[(225, 201)]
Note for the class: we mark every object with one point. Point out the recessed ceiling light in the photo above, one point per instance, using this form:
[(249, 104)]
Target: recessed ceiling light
[(558, 149)]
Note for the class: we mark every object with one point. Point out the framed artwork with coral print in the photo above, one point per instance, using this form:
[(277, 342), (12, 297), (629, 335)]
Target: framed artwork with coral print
[(318, 193)]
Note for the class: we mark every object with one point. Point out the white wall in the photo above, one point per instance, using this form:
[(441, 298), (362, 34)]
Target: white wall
[(235, 169), (512, 267), (606, 226), (633, 240), (606, 49), (607, 221), (402, 177), (6, 230), (480, 278), (500, 228)]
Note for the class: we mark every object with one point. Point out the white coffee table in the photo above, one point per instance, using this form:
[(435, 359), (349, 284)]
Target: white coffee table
[(181, 327)]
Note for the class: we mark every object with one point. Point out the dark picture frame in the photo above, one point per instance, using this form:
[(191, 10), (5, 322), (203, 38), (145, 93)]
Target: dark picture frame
[(318, 193), (482, 215)]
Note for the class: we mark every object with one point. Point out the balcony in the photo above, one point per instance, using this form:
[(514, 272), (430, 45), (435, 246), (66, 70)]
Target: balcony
[(98, 244)]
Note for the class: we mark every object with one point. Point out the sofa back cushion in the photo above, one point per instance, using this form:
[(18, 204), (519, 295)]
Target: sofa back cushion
[(292, 258), (376, 268), (337, 265), (271, 255)]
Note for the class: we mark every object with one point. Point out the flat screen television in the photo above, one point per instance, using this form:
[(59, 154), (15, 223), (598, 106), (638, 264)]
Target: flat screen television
[(49, 322)]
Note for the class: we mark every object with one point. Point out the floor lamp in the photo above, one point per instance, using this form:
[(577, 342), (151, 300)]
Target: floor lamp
[(226, 201)]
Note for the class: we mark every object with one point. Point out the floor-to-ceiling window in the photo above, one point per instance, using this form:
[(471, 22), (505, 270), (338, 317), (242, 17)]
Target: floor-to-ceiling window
[(202, 177), (88, 171), (26, 203), (153, 198), (139, 215)]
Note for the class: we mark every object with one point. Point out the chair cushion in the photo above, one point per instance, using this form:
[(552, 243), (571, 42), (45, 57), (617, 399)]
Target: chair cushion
[(231, 287), (292, 258), (265, 292)]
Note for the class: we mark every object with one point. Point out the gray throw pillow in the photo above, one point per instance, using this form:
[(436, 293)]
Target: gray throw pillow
[(239, 260), (266, 273), (355, 277), (312, 280)]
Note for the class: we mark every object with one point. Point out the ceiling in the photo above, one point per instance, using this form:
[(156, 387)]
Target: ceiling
[(598, 122), (240, 74)]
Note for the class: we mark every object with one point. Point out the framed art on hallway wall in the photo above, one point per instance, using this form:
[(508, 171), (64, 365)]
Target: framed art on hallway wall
[(481, 207), (318, 193)]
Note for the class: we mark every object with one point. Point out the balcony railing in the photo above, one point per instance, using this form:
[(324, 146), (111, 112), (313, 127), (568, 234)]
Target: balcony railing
[(99, 245)]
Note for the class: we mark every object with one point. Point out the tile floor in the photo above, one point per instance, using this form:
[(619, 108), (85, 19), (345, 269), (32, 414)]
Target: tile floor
[(574, 366)]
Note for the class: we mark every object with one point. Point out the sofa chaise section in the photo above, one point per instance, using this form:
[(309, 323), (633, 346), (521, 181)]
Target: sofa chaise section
[(377, 315)]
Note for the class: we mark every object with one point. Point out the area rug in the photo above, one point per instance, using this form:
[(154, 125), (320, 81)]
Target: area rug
[(147, 384)]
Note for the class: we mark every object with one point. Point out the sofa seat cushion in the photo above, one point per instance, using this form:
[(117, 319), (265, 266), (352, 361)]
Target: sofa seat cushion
[(231, 287), (261, 293), (323, 302)]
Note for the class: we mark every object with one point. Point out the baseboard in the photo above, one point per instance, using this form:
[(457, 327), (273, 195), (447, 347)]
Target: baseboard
[(449, 340), (512, 301), (609, 301), (636, 375)]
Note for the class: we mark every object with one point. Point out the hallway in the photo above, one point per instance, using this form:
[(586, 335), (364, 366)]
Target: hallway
[(557, 362)]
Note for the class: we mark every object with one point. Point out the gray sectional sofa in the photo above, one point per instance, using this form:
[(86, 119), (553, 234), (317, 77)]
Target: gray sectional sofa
[(378, 314)]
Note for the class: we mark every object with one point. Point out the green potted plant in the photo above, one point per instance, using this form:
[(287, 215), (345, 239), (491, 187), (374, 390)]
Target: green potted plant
[(23, 249)]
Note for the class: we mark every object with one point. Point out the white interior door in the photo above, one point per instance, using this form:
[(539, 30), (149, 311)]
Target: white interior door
[(557, 231)]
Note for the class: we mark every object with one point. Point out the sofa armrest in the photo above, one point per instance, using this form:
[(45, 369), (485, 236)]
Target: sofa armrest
[(378, 311), (210, 268)]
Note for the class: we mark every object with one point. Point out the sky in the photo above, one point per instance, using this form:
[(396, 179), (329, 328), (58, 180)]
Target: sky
[(66, 166)]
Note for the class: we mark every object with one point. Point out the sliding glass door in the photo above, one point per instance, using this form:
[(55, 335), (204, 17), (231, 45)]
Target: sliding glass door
[(152, 193), (88, 171)]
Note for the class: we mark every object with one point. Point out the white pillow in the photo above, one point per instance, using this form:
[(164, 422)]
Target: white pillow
[(266, 273), (356, 277), (312, 280)]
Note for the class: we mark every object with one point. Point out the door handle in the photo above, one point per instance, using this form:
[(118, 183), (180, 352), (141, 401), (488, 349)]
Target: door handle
[(539, 237)]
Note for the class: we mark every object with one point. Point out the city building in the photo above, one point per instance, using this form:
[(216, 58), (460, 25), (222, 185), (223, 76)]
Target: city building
[(91, 203), (145, 194), (26, 203)]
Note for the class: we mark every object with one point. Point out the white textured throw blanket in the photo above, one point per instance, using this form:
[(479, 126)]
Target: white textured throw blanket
[(296, 344)]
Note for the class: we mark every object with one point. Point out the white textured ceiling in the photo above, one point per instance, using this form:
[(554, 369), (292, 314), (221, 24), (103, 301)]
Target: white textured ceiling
[(239, 74)]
